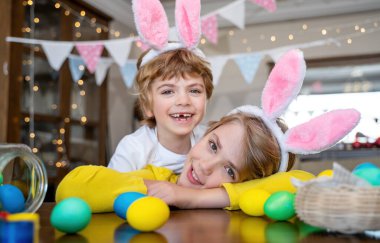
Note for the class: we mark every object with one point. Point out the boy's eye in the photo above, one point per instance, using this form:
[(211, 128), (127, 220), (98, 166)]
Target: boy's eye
[(230, 172), (196, 91), (213, 146)]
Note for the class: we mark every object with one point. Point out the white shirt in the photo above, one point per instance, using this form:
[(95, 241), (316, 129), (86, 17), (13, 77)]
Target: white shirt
[(140, 148)]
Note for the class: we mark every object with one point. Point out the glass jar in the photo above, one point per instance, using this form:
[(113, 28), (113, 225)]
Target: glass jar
[(21, 168)]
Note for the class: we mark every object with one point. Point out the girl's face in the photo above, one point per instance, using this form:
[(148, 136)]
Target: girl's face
[(178, 105), (216, 159)]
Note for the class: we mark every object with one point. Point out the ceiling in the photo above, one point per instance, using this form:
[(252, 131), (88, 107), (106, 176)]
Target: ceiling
[(121, 11)]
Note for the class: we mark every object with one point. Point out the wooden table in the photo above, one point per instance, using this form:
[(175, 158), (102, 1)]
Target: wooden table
[(189, 226)]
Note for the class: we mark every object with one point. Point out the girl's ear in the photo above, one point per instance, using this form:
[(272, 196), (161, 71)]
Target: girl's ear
[(188, 22), (151, 22)]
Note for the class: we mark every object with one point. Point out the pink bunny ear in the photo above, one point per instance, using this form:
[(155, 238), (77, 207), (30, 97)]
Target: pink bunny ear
[(151, 22), (187, 17), (321, 132), (284, 83)]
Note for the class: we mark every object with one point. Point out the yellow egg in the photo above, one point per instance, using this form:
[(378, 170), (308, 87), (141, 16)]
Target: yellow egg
[(326, 173), (148, 213), (252, 202)]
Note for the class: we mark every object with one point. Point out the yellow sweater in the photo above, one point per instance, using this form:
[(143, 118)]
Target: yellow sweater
[(99, 186)]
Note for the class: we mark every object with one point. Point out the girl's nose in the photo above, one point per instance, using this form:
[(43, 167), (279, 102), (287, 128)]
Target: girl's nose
[(208, 166)]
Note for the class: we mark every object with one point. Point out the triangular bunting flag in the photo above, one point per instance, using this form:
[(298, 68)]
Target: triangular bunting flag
[(248, 65), (235, 13), (217, 65), (210, 29), (269, 5), (56, 52), (101, 70), (90, 54), (128, 72), (119, 49), (77, 66)]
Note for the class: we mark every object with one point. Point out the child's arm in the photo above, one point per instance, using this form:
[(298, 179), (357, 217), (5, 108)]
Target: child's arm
[(225, 197), (99, 186)]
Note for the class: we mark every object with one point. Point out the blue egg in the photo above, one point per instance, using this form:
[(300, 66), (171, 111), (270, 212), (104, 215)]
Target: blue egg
[(123, 201), (365, 165), (11, 199), (371, 175)]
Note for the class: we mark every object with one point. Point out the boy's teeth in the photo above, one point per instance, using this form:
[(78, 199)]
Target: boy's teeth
[(181, 115)]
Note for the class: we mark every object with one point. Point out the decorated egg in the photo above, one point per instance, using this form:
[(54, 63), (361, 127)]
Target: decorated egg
[(365, 165), (328, 173), (370, 174), (280, 206), (70, 215), (123, 201), (148, 213), (252, 202), (11, 199)]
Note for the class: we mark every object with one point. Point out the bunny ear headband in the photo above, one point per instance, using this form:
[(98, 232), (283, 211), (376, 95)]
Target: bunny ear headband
[(316, 135), (153, 28)]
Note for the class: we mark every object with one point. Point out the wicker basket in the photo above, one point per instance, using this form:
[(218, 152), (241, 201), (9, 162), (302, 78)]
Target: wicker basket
[(345, 208)]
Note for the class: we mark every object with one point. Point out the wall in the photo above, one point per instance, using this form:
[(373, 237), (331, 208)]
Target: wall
[(232, 90)]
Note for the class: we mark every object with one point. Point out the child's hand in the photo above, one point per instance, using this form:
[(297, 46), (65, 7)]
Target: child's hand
[(172, 194), (184, 197)]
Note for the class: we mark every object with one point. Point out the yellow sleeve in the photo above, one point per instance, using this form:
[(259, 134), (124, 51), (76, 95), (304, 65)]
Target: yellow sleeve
[(278, 182), (99, 186)]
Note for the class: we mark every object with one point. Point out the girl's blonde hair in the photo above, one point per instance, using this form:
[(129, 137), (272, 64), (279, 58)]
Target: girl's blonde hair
[(176, 63), (260, 147)]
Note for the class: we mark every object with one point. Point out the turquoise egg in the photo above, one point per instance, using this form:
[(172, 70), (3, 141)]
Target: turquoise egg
[(280, 206), (11, 199), (370, 174), (71, 215), (365, 165), (123, 201)]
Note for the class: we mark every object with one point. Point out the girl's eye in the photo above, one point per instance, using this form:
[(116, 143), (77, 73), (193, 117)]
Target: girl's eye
[(230, 172), (213, 146), (166, 92)]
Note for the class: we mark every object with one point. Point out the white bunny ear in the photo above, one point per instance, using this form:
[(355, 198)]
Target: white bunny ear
[(187, 17), (151, 22), (321, 132), (283, 84)]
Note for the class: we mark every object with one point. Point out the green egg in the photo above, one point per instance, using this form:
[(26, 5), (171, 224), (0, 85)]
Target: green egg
[(70, 215), (280, 206), (1, 179)]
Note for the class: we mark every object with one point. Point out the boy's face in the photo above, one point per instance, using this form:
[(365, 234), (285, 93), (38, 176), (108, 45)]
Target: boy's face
[(215, 159), (178, 105)]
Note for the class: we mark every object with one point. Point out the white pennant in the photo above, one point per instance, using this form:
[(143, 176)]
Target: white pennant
[(101, 69), (235, 13), (119, 49), (56, 52), (217, 65)]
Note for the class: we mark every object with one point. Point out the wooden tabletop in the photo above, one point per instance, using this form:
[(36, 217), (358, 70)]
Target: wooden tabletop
[(189, 226)]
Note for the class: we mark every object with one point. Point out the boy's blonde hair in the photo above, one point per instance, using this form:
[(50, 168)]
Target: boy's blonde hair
[(260, 147), (176, 63)]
